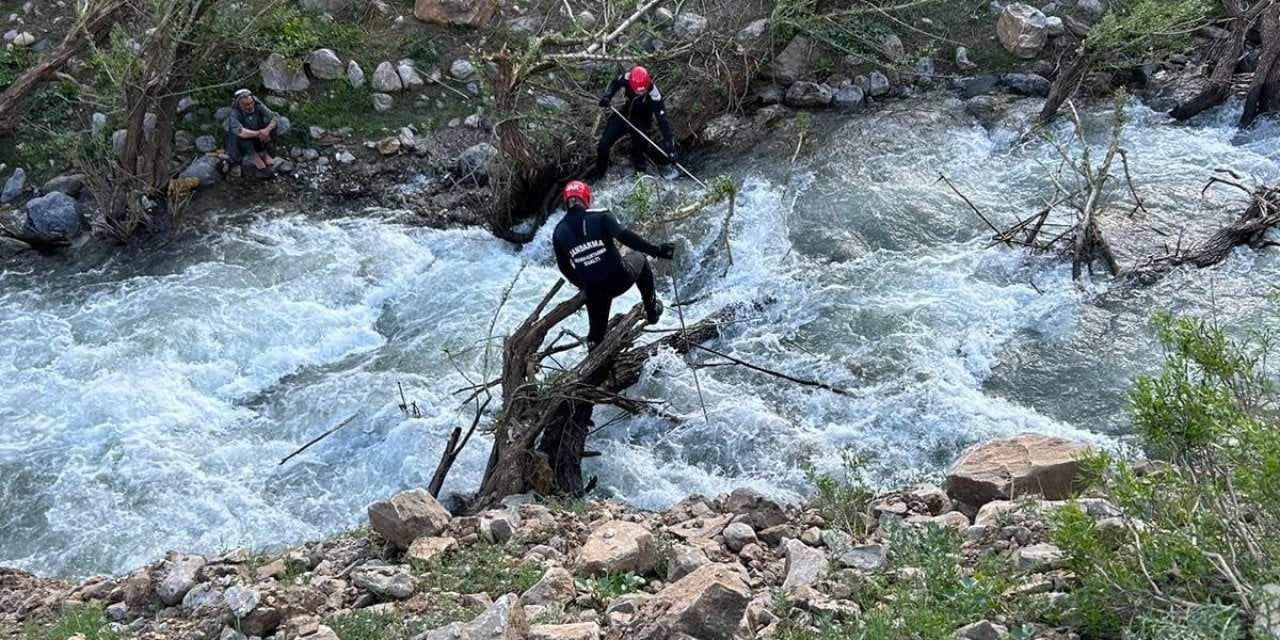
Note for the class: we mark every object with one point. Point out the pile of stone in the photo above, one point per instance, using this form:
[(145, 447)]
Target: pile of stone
[(715, 567)]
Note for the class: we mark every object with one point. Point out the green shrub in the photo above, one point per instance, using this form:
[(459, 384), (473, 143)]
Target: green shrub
[(1197, 533), (841, 499), (606, 588), (478, 568), (366, 625), (417, 44), (85, 620), (13, 61)]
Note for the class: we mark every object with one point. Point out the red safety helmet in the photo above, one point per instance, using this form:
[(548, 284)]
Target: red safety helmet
[(577, 189), (639, 79)]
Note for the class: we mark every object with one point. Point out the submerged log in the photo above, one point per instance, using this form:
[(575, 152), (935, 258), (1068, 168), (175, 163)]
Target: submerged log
[(1262, 213)]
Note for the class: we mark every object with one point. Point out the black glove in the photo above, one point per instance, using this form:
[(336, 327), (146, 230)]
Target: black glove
[(666, 251), (604, 102)]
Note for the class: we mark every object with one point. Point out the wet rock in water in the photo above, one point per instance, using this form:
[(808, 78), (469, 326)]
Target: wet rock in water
[(848, 98), (14, 185), (325, 64), (54, 215)]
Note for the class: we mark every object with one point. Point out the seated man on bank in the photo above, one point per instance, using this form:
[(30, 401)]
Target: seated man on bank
[(251, 128)]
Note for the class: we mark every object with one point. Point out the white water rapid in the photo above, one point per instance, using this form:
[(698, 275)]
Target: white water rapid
[(145, 404)]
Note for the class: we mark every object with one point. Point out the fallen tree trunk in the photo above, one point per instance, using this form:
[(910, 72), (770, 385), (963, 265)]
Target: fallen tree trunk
[(1224, 68), (1262, 213)]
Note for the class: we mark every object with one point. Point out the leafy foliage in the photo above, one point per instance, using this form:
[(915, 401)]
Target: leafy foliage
[(1197, 533), (841, 499), (478, 567), (367, 625), (13, 61), (86, 621), (604, 589), (1135, 32)]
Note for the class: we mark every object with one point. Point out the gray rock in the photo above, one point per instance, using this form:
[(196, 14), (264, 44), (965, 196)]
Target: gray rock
[(220, 116), (891, 46), (504, 620), (14, 185), (98, 122), (552, 104), (527, 25), (462, 70), (752, 32), (809, 94), (205, 144), (277, 76), (70, 185), (117, 142), (181, 572), (868, 557), (325, 64), (804, 565), (1027, 84), (202, 597), (1055, 26), (962, 60), (389, 582), (738, 535), (1267, 601), (117, 612), (690, 25), (982, 630), (976, 86), (187, 102), (472, 121), (55, 215), (409, 77), (790, 64), (355, 75), (382, 102), (1022, 29), (555, 587), (1096, 7), (768, 94), (385, 79), (685, 559), (206, 169), (240, 600), (408, 515), (924, 72), (283, 125), (183, 141), (1037, 558), (587, 19), (761, 512), (877, 84)]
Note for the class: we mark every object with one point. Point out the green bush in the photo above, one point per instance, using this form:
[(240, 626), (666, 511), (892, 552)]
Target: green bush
[(85, 620), (366, 625), (841, 499), (417, 44), (478, 568), (13, 61), (1197, 533)]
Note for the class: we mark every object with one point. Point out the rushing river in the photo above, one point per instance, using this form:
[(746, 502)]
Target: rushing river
[(145, 404)]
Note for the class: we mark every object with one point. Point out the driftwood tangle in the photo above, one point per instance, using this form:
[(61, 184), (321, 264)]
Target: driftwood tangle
[(541, 430)]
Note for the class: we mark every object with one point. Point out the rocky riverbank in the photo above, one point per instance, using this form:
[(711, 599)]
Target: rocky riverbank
[(735, 566)]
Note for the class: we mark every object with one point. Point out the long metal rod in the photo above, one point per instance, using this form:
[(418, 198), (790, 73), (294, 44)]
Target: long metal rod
[(688, 356), (655, 146)]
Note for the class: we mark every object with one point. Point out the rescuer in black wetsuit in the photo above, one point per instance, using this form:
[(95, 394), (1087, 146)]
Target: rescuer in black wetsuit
[(588, 258), (643, 106)]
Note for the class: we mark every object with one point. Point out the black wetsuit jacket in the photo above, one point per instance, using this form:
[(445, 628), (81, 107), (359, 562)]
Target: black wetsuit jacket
[(642, 109), (587, 256)]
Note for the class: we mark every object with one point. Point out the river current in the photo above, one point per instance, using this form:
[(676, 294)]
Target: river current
[(146, 403)]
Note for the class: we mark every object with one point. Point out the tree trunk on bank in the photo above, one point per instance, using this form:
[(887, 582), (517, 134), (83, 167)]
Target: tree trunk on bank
[(1264, 90), (1224, 69), (1065, 84)]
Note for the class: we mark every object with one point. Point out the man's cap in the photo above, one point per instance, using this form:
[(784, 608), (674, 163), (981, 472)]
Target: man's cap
[(241, 93)]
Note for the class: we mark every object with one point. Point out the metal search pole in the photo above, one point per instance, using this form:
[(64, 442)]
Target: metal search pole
[(655, 146), (688, 353)]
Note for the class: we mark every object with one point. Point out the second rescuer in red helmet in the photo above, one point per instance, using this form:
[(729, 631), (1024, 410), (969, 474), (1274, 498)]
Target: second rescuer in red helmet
[(643, 105), (589, 259)]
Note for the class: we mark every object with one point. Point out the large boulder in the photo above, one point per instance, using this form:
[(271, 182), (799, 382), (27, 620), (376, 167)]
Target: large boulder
[(791, 62), (325, 64), (476, 161), (14, 185), (618, 547), (406, 516), (385, 79), (554, 588), (277, 76), (470, 13), (53, 215), (707, 604), (1023, 30), (1025, 464), (181, 573), (762, 513), (804, 565)]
